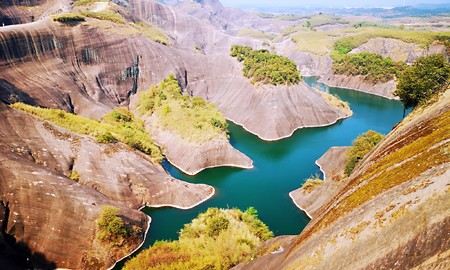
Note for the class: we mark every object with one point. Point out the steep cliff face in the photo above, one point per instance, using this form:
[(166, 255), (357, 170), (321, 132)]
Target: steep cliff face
[(309, 64), (360, 84), (216, 152), (36, 162), (401, 188)]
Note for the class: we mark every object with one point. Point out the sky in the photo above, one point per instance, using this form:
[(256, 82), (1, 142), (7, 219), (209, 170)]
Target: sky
[(327, 3)]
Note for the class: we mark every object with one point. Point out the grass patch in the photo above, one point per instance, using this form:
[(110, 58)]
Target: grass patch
[(106, 15), (317, 42), (256, 34), (69, 18), (373, 67), (151, 32), (323, 19), (311, 184), (336, 102), (265, 67), (87, 2), (118, 125), (192, 118), (216, 239)]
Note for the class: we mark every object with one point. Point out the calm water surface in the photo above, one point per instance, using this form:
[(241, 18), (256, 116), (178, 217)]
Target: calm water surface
[(280, 167)]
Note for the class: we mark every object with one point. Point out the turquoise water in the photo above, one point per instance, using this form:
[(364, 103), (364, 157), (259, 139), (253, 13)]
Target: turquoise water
[(280, 167)]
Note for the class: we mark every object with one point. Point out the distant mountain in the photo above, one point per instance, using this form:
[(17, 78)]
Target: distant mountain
[(420, 10)]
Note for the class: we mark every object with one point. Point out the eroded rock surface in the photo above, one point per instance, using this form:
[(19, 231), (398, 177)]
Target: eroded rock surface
[(193, 157), (332, 165), (358, 83)]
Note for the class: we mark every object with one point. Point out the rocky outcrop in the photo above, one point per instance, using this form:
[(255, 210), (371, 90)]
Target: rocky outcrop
[(399, 50), (309, 64), (193, 157), (332, 165), (358, 83), (400, 189), (36, 162)]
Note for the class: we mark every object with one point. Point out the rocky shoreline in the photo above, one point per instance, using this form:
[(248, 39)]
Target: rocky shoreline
[(332, 164)]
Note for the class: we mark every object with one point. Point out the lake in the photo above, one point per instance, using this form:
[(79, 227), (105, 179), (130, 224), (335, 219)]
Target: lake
[(280, 167)]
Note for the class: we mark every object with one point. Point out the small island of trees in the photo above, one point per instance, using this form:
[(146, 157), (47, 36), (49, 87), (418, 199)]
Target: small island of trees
[(262, 66)]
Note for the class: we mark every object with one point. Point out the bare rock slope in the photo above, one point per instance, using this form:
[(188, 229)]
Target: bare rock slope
[(36, 162), (400, 189)]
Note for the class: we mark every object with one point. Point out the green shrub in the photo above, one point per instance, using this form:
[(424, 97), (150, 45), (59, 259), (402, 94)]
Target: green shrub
[(118, 125), (264, 67), (69, 18), (105, 137), (191, 117), (360, 147), (216, 239), (426, 77), (373, 67), (74, 175), (87, 2), (106, 15), (111, 227)]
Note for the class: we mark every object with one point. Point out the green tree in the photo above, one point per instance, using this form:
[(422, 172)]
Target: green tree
[(265, 67), (419, 82), (373, 67), (360, 147), (110, 226)]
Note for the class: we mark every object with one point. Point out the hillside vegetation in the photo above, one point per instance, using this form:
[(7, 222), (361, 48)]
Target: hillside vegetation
[(360, 147), (69, 17), (87, 2), (364, 34), (118, 125), (111, 228), (216, 239), (262, 66), (421, 81), (316, 42), (373, 67), (192, 118)]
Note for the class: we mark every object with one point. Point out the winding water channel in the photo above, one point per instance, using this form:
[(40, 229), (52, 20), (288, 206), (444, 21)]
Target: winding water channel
[(280, 167)]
